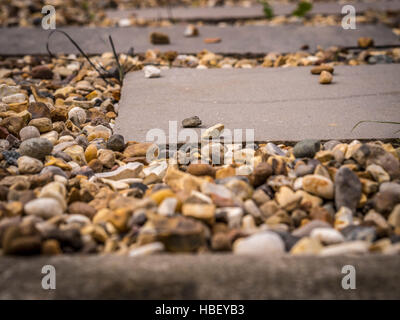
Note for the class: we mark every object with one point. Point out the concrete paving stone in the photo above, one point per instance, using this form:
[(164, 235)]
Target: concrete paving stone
[(245, 39), (235, 12), (280, 104), (215, 276)]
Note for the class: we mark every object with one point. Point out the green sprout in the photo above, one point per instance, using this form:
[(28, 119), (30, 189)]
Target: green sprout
[(302, 8)]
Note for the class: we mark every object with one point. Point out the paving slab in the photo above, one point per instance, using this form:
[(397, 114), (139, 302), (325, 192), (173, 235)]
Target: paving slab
[(244, 39), (215, 276), (280, 104), (225, 13)]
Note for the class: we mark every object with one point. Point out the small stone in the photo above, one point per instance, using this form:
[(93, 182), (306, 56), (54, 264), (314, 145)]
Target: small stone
[(29, 165), (13, 124), (44, 207), (36, 148), (29, 132), (377, 173), (327, 236), (192, 122), (42, 124), (77, 115), (325, 77), (205, 212), (106, 157), (322, 67), (352, 247), (159, 38), (347, 189), (212, 40), (151, 72), (42, 72), (191, 31), (55, 190), (167, 207), (343, 218), (15, 98), (130, 170), (261, 173), (139, 149), (91, 152), (179, 234), (307, 246), (147, 249), (77, 154), (287, 199), (82, 208), (39, 110), (221, 242), (51, 247), (365, 42), (116, 143), (201, 169), (265, 243), (212, 132), (319, 186), (159, 195), (306, 148)]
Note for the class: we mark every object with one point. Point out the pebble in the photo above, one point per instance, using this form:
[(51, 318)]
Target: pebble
[(307, 246), (159, 38), (77, 115), (345, 248), (325, 77), (191, 31), (29, 132), (36, 148), (319, 186), (168, 207), (130, 170), (264, 243), (306, 148), (320, 68), (116, 143), (205, 212), (44, 207), (29, 165), (327, 236), (347, 189), (365, 42), (147, 249), (151, 72), (192, 122), (212, 132)]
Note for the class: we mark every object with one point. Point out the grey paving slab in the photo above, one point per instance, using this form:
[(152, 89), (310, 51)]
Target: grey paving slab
[(236, 12), (285, 104), (207, 276), (245, 39)]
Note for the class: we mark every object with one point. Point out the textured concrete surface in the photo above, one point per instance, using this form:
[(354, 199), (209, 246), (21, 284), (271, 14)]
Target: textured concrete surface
[(285, 104), (200, 277), (245, 39), (253, 12)]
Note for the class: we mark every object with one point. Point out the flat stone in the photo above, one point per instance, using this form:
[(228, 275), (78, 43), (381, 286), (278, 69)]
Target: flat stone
[(208, 276), (289, 103), (243, 39)]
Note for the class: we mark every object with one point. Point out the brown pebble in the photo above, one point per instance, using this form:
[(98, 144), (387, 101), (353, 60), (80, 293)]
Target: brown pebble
[(325, 77)]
